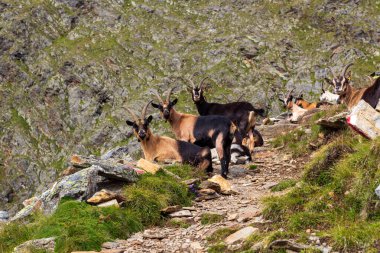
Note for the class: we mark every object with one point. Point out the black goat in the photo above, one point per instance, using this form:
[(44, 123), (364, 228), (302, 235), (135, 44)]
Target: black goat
[(206, 131), (243, 114)]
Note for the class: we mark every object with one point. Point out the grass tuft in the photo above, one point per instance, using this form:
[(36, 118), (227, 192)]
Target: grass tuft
[(210, 218), (283, 185)]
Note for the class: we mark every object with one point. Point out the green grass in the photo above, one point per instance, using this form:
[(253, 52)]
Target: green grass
[(336, 196), (185, 171), (210, 218), (178, 223), (221, 234), (284, 185), (217, 248), (298, 141), (79, 226)]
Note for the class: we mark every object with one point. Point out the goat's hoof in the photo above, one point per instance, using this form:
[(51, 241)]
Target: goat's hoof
[(224, 176)]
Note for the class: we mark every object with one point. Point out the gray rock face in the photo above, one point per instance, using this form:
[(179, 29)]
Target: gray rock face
[(80, 185), (4, 215), (67, 67), (47, 244)]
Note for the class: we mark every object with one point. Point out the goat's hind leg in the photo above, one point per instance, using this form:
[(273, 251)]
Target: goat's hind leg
[(205, 160)]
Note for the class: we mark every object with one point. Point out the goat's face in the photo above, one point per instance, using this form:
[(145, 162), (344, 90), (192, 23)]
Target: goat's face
[(196, 94), (141, 128), (299, 100), (341, 83), (165, 108), (288, 102)]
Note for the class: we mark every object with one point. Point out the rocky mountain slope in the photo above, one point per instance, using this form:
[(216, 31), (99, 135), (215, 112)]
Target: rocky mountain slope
[(67, 67)]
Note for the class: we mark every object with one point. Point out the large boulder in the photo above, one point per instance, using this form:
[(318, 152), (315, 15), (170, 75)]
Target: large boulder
[(80, 185), (45, 244), (365, 120)]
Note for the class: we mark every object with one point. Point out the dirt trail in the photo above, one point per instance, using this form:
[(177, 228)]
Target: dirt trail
[(238, 210)]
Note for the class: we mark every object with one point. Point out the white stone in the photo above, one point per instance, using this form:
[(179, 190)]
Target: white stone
[(109, 203), (240, 235), (195, 247), (377, 191), (182, 213)]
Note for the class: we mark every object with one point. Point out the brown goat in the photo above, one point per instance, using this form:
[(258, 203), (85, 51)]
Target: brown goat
[(307, 105), (163, 149), (350, 95), (213, 131), (287, 101)]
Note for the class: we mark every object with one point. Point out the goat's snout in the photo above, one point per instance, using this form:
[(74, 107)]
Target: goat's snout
[(142, 134), (166, 113)]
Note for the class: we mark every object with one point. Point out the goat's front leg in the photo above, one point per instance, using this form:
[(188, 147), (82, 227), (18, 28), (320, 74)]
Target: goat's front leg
[(251, 144)]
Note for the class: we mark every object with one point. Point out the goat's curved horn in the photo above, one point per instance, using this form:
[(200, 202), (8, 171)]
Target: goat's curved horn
[(135, 118), (332, 72), (169, 93), (155, 92), (290, 93), (241, 96), (202, 82), (191, 82), (143, 113), (323, 90), (345, 69)]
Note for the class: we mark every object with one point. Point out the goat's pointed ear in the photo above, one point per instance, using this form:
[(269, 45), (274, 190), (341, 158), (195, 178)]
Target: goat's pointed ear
[(329, 81), (348, 75), (130, 123), (149, 119), (174, 101), (156, 105)]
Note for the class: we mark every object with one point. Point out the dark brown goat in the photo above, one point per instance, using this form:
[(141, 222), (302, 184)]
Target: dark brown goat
[(243, 114), (162, 148), (210, 131), (350, 95)]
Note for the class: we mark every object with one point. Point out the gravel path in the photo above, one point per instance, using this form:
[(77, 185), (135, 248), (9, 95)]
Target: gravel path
[(238, 210)]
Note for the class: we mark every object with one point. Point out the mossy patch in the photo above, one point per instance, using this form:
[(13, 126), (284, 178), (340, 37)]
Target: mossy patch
[(210, 218)]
